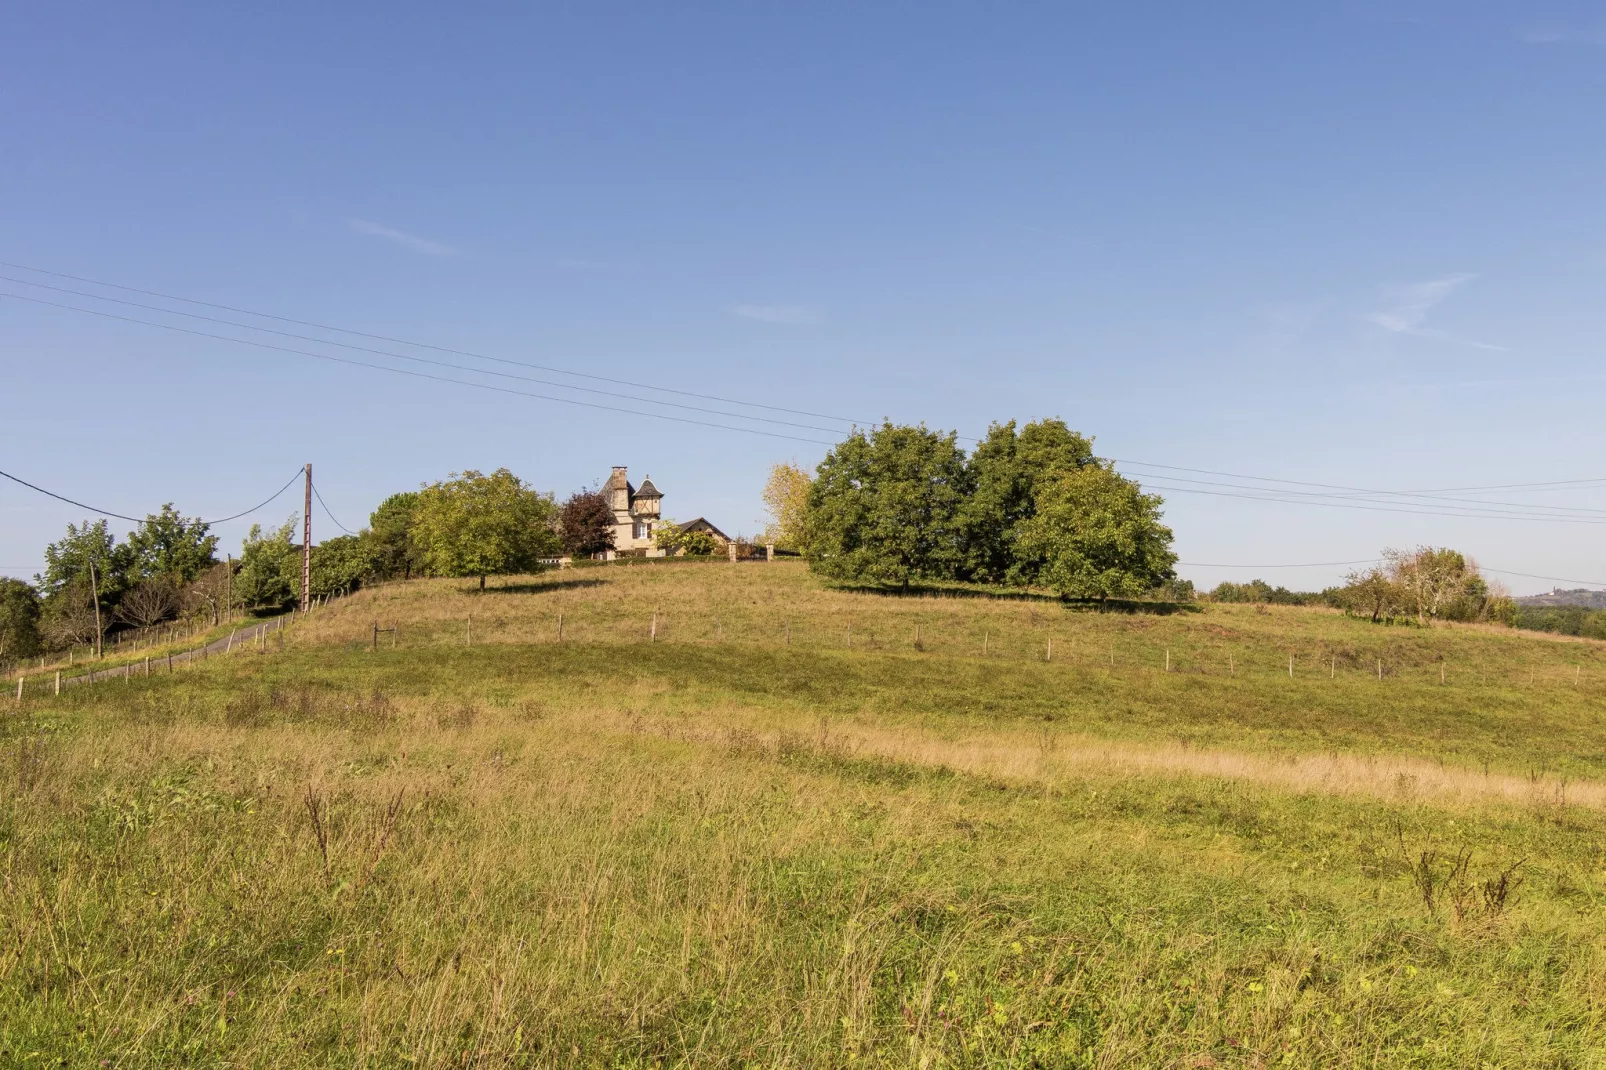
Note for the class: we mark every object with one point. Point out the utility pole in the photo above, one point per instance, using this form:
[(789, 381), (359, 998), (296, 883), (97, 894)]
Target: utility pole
[(94, 593), (306, 546)]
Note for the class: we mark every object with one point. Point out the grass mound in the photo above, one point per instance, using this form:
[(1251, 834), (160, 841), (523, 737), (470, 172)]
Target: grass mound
[(734, 817)]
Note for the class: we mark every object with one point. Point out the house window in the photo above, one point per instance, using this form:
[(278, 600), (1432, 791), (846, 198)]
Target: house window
[(642, 528)]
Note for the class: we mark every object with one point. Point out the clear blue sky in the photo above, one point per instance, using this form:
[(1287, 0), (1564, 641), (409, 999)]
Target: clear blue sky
[(1362, 246)]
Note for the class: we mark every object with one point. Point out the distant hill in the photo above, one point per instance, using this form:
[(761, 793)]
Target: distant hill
[(1581, 596)]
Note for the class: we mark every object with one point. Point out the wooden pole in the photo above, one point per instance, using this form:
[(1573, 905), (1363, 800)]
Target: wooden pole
[(1232, 670), (1332, 667), (1167, 659), (652, 632), (94, 594), (375, 644), (58, 681), (560, 627), (1290, 666), (1380, 668), (984, 636), (20, 679), (306, 544), (470, 639)]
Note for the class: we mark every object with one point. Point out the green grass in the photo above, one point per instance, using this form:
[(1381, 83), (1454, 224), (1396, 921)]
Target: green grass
[(718, 848)]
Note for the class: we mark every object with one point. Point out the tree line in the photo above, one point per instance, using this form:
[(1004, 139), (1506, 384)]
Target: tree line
[(471, 524), (1421, 585), (1028, 507)]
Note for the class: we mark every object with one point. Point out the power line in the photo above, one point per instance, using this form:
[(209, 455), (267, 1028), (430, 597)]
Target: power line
[(1483, 508), (328, 514), (414, 374), (1374, 508), (419, 345), (423, 360), (136, 519), (1531, 576), (254, 508), (1352, 491), (69, 501)]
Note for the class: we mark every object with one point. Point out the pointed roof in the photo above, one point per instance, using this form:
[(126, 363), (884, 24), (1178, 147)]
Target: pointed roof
[(647, 490)]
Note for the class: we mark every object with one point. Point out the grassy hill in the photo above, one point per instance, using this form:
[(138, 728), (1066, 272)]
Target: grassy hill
[(734, 817)]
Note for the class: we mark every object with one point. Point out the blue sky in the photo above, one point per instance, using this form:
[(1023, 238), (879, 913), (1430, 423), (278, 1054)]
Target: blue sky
[(1362, 246)]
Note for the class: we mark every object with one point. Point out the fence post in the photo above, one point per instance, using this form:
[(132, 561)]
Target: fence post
[(1290, 666), (20, 679), (1232, 670), (470, 640), (375, 644), (1380, 668), (1167, 659), (58, 681), (769, 551), (1049, 656), (652, 631)]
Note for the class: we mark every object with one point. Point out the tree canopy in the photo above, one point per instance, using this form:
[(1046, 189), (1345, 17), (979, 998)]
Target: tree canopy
[(167, 544), (786, 498), (481, 525), (391, 545), (1098, 535), (586, 524), (884, 507)]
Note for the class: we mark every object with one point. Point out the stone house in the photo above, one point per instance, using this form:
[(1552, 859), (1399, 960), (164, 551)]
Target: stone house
[(637, 512)]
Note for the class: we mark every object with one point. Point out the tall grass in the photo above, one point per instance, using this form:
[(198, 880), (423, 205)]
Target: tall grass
[(724, 850)]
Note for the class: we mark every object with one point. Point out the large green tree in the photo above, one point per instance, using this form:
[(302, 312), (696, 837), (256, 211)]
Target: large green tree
[(1098, 535), (340, 565), (390, 537), (19, 619), (86, 548), (1003, 474), (169, 545), (269, 574), (884, 507), (481, 525)]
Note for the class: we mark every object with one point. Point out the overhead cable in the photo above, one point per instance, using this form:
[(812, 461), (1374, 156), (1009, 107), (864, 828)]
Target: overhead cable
[(137, 519), (327, 513), (421, 345), (404, 371)]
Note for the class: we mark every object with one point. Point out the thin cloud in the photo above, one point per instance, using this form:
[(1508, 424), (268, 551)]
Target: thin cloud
[(788, 314), (1406, 308), (402, 238)]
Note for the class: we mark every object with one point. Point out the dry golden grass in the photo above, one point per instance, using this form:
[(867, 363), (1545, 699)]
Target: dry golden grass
[(720, 849)]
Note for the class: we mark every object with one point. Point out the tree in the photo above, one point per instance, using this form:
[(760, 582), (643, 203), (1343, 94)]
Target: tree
[(786, 498), (91, 545), (151, 601), (340, 565), (671, 538), (1003, 473), (70, 615), (166, 544), (1098, 535), (1371, 592), (269, 575), (586, 524), (479, 525), (19, 619), (390, 534), (1429, 577), (884, 507), (208, 591)]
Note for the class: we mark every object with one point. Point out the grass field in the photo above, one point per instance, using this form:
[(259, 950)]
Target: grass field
[(737, 818)]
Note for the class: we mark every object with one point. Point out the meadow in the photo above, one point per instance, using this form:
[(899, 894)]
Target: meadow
[(726, 815)]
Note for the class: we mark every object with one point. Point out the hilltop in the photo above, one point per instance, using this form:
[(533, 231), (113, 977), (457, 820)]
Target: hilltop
[(733, 815), (1579, 596)]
